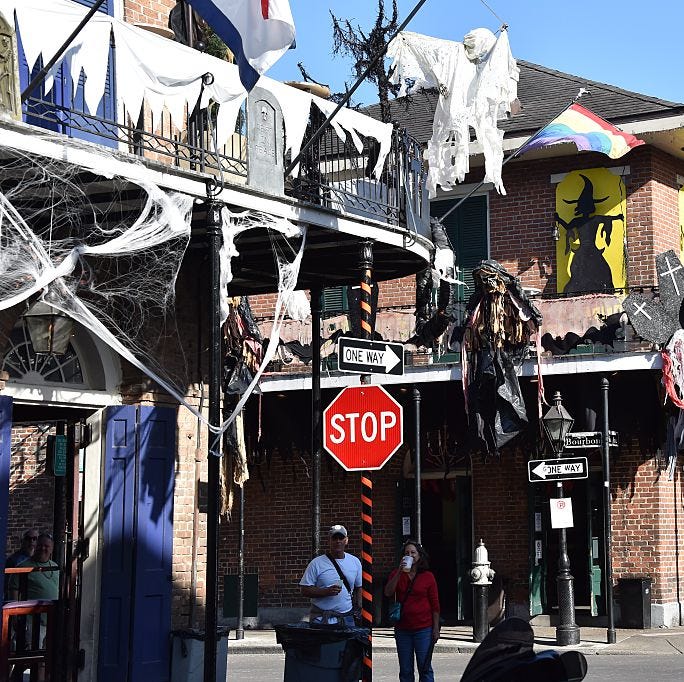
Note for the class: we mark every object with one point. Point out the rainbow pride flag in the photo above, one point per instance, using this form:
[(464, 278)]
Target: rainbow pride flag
[(587, 131)]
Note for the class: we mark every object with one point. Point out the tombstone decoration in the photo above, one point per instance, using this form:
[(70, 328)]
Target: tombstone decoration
[(10, 97), (266, 143), (661, 322), (657, 321)]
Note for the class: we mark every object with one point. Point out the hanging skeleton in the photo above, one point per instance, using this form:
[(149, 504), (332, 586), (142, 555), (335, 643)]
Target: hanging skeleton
[(500, 320), (430, 326)]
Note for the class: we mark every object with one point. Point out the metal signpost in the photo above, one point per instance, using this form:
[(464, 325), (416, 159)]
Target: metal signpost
[(370, 357), (544, 470), (362, 428)]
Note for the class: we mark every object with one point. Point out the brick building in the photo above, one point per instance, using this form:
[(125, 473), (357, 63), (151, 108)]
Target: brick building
[(467, 495), (122, 484), (143, 464)]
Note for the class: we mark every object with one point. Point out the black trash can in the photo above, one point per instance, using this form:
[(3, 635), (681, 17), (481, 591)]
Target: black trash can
[(634, 595), (323, 653)]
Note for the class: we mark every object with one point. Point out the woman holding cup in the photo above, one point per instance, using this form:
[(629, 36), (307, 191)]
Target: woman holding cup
[(414, 586)]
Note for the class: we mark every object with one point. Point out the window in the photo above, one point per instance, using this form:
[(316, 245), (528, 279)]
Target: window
[(334, 300), (466, 228), (24, 366)]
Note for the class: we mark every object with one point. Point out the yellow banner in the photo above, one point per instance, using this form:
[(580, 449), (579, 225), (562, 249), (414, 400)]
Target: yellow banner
[(590, 215)]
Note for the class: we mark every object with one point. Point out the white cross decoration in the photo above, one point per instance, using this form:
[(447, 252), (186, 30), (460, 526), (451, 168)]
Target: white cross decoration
[(671, 272), (640, 309)]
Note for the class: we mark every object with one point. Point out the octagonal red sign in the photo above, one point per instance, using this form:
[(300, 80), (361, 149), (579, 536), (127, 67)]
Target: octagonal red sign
[(363, 427)]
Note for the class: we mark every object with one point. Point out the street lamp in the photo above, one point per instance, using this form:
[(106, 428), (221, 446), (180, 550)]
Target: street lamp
[(49, 329), (557, 424)]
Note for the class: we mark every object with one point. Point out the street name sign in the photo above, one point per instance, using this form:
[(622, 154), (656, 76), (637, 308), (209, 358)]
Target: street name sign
[(579, 440), (363, 427), (542, 470), (369, 357)]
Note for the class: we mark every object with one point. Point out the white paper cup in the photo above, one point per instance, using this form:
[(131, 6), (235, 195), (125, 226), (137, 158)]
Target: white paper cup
[(406, 563)]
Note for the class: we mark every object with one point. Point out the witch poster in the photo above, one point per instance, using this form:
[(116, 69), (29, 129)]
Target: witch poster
[(590, 216)]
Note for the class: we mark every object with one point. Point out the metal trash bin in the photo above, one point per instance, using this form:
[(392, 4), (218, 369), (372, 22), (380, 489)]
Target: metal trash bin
[(634, 598), (187, 655), (323, 653)]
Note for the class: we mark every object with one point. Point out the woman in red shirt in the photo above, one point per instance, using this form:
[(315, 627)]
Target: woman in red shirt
[(415, 587)]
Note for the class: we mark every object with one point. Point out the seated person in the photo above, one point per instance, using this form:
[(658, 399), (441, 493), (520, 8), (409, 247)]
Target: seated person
[(40, 584)]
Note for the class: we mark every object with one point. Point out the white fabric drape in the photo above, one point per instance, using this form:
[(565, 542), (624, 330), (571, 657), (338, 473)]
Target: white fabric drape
[(164, 73), (477, 80)]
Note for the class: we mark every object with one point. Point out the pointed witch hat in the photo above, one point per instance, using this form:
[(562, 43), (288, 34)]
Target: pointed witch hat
[(586, 203)]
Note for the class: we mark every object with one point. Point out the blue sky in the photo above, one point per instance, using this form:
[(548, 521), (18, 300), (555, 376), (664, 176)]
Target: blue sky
[(636, 45)]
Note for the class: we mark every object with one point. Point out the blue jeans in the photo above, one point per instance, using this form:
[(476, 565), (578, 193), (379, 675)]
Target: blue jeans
[(410, 642)]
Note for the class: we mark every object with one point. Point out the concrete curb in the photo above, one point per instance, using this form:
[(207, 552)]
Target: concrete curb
[(457, 641)]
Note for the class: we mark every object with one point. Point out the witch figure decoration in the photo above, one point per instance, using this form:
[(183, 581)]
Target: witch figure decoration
[(589, 270)]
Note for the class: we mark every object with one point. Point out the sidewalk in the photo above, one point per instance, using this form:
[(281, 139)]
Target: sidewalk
[(459, 640)]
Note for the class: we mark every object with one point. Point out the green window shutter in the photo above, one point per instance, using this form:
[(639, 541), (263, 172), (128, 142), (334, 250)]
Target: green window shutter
[(334, 300), (467, 231)]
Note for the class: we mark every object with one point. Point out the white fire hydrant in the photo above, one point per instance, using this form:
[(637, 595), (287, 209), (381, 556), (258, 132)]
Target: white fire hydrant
[(481, 576)]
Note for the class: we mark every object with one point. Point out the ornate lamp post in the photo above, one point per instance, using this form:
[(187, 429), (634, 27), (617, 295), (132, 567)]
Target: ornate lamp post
[(557, 423), (49, 329)]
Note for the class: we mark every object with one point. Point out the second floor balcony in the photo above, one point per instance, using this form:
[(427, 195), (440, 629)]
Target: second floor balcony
[(136, 92)]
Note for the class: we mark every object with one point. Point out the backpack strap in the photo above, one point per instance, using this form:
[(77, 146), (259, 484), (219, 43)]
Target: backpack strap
[(339, 571)]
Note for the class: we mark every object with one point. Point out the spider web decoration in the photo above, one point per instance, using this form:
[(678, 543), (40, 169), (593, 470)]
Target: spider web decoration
[(107, 252)]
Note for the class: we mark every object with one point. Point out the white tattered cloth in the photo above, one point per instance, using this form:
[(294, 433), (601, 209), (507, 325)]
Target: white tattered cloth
[(477, 82), (167, 74)]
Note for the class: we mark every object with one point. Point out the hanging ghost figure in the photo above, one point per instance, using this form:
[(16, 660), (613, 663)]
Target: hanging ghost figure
[(589, 270)]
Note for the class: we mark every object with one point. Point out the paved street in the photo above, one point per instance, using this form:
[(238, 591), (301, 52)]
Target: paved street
[(449, 666)]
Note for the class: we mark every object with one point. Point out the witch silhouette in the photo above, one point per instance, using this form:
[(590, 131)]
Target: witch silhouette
[(589, 270)]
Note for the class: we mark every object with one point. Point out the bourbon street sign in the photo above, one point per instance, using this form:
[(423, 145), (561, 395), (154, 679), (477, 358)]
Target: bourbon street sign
[(557, 469), (589, 439)]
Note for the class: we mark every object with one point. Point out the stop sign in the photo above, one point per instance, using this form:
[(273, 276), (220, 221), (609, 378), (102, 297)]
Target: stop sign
[(363, 427)]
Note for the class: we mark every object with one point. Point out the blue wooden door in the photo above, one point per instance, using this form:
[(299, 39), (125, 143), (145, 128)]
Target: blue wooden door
[(5, 447), (135, 603), (118, 543), (154, 545)]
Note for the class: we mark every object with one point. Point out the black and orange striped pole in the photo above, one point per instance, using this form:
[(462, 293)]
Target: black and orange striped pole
[(365, 298)]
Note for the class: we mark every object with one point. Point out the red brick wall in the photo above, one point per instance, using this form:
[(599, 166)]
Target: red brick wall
[(500, 514), (647, 513), (521, 221), (145, 12), (278, 513), (31, 487)]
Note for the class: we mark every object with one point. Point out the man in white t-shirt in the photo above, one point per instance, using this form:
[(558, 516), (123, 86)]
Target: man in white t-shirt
[(332, 601)]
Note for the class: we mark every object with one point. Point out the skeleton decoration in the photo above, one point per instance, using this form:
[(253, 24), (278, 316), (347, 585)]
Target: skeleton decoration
[(430, 323), (495, 339)]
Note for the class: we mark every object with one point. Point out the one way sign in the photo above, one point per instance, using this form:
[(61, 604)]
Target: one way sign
[(557, 469), (366, 357)]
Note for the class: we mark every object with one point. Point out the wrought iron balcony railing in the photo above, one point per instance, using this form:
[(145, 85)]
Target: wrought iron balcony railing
[(332, 174)]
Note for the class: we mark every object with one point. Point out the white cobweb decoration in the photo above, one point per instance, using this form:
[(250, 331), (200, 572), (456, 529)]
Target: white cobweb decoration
[(108, 252)]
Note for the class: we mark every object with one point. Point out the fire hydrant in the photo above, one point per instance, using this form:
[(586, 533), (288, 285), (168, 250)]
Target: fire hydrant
[(481, 576)]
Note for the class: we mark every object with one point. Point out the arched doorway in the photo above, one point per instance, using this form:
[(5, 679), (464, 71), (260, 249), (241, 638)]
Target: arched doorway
[(50, 399)]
